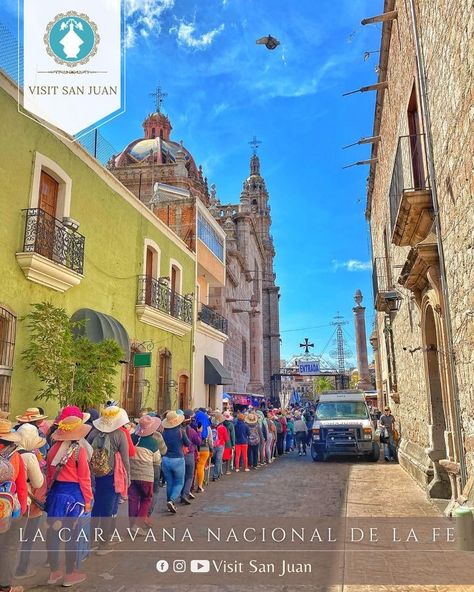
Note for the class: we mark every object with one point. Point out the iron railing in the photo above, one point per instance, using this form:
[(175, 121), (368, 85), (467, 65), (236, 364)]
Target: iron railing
[(214, 319), (410, 172), (49, 237), (210, 237), (381, 280), (159, 295)]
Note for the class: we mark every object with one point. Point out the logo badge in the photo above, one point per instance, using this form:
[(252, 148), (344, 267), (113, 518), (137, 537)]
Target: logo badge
[(71, 39), (73, 65)]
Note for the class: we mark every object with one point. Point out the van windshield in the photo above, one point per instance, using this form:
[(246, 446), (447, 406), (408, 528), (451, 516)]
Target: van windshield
[(342, 410)]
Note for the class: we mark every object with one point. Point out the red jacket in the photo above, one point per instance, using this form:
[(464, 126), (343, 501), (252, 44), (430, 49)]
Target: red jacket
[(72, 472), (222, 435), (131, 446)]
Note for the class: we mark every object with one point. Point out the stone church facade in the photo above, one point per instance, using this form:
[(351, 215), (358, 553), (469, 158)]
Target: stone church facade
[(236, 299), (250, 299), (421, 215)]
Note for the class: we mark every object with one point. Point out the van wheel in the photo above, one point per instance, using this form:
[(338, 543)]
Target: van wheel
[(314, 455), (375, 454)]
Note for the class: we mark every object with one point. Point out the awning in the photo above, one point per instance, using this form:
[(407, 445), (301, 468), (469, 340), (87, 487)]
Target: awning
[(215, 373), (98, 326)]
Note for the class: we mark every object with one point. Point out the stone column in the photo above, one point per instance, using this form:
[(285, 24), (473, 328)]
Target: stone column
[(256, 358), (361, 344)]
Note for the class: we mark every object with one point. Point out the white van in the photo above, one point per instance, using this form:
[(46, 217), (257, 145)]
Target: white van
[(343, 426)]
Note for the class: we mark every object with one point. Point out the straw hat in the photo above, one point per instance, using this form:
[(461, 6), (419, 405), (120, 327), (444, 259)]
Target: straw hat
[(147, 425), (251, 418), (172, 419), (29, 437), (6, 431), (73, 411), (217, 419), (71, 428), (111, 418), (31, 414)]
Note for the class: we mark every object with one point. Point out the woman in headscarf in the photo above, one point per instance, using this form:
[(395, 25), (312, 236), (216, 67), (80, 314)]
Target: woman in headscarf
[(69, 494), (28, 446)]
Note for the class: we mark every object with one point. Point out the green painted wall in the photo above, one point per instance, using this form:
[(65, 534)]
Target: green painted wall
[(115, 233)]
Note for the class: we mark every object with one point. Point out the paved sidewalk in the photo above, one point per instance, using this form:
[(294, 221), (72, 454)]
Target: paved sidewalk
[(292, 488)]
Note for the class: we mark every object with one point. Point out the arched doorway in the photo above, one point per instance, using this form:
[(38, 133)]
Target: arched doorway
[(439, 486), (183, 392)]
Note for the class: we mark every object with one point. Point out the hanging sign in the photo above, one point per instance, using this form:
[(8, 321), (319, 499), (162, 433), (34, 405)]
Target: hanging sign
[(308, 368), (72, 62)]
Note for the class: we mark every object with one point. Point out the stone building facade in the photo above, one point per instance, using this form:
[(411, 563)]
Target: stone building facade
[(236, 299), (163, 175), (421, 217), (250, 299)]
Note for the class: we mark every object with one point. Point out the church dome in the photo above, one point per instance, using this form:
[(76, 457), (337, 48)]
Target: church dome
[(157, 141)]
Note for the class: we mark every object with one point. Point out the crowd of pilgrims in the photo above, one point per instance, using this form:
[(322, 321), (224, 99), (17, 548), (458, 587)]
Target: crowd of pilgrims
[(84, 465)]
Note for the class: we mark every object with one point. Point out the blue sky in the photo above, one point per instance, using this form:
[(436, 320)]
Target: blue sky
[(223, 89)]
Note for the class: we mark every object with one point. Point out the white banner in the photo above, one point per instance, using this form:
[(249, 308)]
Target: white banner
[(72, 74)]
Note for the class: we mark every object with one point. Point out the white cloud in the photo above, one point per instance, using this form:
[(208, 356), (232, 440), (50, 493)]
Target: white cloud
[(186, 35), (144, 18), (352, 265)]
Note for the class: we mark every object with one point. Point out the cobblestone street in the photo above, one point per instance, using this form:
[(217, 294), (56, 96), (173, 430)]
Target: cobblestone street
[(291, 488)]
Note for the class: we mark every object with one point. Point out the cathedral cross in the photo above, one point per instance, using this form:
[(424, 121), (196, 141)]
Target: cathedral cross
[(158, 96), (255, 144), (306, 345)]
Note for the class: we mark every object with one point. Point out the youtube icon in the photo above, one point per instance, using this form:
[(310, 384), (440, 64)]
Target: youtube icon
[(200, 566)]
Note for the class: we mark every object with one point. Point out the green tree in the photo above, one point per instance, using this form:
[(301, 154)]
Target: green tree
[(72, 370), (322, 385)]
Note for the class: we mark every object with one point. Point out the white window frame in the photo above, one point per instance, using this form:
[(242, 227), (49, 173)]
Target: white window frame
[(149, 243), (43, 163), (179, 288)]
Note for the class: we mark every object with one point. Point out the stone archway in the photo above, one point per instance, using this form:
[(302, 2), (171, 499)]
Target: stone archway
[(439, 487)]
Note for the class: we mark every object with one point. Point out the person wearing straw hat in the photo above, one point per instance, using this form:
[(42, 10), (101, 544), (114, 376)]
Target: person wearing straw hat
[(69, 494), (107, 439), (194, 435), (12, 469), (28, 446), (143, 467), (173, 463), (255, 437), (35, 416)]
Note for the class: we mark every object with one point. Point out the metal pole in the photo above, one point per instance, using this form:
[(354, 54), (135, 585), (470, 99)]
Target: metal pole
[(96, 134), (442, 263)]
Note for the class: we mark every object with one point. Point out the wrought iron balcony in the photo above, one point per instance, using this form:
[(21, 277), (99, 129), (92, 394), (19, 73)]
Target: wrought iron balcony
[(386, 297), (49, 237), (410, 194), (159, 295), (214, 319)]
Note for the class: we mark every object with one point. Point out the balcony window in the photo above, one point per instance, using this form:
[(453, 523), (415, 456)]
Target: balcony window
[(209, 236), (386, 297), (53, 239), (410, 193), (214, 319), (158, 295)]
